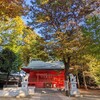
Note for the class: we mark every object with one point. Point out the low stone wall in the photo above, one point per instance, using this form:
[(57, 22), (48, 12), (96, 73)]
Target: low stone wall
[(17, 92)]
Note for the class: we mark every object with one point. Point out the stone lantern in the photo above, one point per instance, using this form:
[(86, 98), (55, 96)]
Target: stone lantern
[(73, 85), (24, 84)]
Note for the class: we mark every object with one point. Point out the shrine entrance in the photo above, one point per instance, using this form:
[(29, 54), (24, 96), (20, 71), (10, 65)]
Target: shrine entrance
[(46, 79)]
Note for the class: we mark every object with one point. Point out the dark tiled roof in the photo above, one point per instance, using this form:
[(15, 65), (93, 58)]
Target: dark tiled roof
[(45, 65)]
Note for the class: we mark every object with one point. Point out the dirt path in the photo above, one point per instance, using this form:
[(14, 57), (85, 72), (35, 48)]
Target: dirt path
[(88, 95)]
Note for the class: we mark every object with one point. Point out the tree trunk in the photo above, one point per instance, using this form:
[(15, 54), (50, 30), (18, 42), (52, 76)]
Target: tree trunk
[(84, 80), (78, 83), (67, 65), (26, 61), (7, 79)]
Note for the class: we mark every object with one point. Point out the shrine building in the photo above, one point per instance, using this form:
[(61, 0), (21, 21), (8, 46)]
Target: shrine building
[(45, 75)]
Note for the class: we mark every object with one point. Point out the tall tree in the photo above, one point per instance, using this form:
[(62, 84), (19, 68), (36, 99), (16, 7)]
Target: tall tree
[(92, 31), (63, 18), (7, 60)]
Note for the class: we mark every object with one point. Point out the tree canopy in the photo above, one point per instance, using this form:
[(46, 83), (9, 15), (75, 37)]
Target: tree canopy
[(21, 39), (12, 8), (7, 60), (68, 28), (60, 22), (60, 15)]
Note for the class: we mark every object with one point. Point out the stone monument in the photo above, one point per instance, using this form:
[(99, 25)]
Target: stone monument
[(73, 85)]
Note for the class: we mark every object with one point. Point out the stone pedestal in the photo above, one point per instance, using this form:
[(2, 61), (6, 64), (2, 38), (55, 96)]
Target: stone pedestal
[(24, 88), (73, 88), (31, 90)]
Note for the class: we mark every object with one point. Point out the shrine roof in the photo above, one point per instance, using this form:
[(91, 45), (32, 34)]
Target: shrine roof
[(45, 65)]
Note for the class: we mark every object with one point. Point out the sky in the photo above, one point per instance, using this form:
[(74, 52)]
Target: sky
[(28, 1), (24, 18)]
